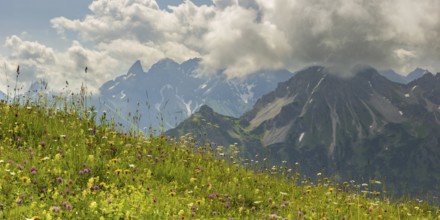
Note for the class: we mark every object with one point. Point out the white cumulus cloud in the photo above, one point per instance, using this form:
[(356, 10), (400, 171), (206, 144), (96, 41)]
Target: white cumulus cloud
[(239, 36)]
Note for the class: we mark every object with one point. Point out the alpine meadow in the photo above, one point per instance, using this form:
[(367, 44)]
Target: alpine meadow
[(220, 109)]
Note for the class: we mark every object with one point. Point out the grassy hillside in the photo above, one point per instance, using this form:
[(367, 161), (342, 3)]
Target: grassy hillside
[(59, 164)]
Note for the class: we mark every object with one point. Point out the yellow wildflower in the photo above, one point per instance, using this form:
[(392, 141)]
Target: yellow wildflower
[(25, 179), (93, 205)]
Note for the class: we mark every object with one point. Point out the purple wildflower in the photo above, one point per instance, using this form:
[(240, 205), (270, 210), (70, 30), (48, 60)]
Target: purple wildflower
[(59, 180), (56, 209), (213, 195)]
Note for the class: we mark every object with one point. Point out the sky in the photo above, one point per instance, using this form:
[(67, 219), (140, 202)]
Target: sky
[(55, 40)]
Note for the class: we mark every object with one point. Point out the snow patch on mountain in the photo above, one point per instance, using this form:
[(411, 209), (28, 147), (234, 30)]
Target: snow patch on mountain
[(123, 95), (301, 136)]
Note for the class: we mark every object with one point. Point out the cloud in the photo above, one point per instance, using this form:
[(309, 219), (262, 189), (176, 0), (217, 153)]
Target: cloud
[(38, 61), (240, 36)]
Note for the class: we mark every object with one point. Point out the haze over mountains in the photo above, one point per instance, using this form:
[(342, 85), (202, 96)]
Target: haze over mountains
[(170, 92), (395, 77), (360, 128)]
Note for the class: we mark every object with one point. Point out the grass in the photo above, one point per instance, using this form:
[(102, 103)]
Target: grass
[(59, 163)]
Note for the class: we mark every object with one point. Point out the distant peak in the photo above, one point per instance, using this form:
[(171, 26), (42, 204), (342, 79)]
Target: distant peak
[(367, 72), (417, 72), (136, 67), (205, 109), (192, 61), (165, 63)]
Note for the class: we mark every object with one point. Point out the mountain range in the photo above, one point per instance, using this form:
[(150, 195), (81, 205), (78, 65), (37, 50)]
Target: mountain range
[(399, 78), (363, 127), (372, 125), (170, 92)]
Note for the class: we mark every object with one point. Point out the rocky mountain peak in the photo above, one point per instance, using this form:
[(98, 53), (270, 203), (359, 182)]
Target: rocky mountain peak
[(136, 68)]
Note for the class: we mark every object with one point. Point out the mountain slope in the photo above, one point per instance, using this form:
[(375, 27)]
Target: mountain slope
[(170, 92), (361, 127), (57, 164)]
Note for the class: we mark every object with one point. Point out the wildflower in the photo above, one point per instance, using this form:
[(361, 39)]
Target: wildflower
[(33, 170), (25, 179), (118, 171), (193, 179), (104, 185), (181, 213), (114, 160), (93, 205), (198, 170), (57, 156), (283, 193), (228, 205), (331, 189), (132, 166), (172, 193), (213, 195), (59, 180), (56, 209), (45, 158)]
